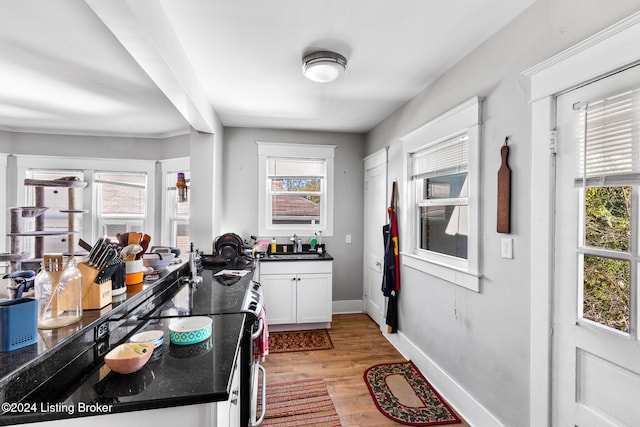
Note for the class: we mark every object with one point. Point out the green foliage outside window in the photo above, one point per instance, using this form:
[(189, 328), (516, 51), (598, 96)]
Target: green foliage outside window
[(606, 293), (608, 218)]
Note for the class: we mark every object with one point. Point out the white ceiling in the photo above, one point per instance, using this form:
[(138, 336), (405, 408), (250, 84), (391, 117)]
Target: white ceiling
[(157, 67)]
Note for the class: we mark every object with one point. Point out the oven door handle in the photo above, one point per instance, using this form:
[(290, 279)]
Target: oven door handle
[(256, 334), (263, 409)]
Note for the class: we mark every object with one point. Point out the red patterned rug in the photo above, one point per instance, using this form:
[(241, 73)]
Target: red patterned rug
[(284, 342), (402, 394), (299, 403)]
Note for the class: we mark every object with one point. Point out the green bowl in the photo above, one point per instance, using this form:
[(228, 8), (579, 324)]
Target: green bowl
[(190, 330)]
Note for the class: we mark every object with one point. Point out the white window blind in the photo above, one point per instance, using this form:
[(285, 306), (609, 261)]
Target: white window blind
[(609, 142), (295, 167), (444, 158)]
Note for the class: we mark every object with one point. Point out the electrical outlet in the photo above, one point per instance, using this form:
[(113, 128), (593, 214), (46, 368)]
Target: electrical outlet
[(101, 331), (507, 248), (347, 238), (100, 349)]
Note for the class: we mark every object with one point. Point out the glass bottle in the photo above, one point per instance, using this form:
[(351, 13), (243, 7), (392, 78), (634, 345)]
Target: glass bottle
[(64, 306)]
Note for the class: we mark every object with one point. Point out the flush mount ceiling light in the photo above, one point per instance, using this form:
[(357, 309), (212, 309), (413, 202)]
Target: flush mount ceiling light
[(324, 66)]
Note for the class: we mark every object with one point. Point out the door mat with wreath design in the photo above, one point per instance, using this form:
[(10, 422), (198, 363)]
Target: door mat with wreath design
[(402, 394)]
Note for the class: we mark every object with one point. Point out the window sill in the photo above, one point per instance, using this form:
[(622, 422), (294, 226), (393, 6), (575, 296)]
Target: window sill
[(453, 275)]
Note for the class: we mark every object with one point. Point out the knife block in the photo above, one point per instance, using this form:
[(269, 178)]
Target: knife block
[(94, 295)]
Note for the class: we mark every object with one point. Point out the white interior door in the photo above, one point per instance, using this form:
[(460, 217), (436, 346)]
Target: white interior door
[(375, 185), (595, 347)]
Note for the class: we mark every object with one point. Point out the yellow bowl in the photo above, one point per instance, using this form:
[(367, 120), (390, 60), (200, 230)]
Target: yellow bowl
[(129, 357)]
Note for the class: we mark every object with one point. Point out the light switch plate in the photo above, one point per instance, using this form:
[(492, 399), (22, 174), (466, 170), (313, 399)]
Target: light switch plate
[(507, 248), (347, 238)]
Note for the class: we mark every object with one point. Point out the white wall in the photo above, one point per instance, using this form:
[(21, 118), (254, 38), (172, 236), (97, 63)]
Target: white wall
[(91, 146), (481, 340), (240, 205), (207, 170)]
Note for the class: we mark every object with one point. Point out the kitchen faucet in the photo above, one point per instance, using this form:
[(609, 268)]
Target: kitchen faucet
[(194, 279), (295, 242)]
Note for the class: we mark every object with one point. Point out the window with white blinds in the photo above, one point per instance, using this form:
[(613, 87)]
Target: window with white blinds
[(440, 175), (608, 179), (445, 158), (609, 141), (441, 166), (296, 189), (297, 167), (296, 195)]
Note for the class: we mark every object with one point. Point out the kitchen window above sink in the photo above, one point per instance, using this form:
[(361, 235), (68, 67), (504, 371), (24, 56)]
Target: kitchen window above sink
[(297, 189)]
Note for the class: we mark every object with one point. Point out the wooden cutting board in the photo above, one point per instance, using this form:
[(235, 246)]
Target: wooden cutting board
[(504, 192)]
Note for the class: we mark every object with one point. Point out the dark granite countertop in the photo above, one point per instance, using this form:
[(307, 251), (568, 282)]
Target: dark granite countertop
[(286, 253), (175, 375), (164, 380), (23, 370)]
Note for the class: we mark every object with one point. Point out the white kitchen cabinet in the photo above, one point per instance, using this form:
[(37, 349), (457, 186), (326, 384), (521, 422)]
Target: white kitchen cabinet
[(279, 292), (297, 293), (228, 412), (214, 414), (200, 415)]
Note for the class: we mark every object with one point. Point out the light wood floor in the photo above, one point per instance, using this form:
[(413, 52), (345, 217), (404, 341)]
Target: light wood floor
[(358, 345)]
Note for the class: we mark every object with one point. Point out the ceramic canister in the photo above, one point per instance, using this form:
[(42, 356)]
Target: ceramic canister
[(134, 272)]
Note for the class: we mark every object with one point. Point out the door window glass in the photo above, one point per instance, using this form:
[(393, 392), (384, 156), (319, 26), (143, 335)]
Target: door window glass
[(607, 176), (606, 293)]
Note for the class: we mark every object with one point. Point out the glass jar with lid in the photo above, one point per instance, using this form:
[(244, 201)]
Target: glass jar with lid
[(58, 288)]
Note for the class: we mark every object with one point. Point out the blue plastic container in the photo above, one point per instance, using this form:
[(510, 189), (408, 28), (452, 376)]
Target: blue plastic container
[(18, 323)]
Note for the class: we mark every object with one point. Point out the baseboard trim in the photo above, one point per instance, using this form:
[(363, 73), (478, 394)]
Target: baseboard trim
[(465, 404), (299, 326), (348, 306)]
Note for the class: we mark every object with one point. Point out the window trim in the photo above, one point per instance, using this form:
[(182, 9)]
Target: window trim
[(461, 120), (168, 221), (280, 149)]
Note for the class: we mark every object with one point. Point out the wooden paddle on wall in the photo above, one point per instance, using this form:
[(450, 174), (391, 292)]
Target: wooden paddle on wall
[(504, 191)]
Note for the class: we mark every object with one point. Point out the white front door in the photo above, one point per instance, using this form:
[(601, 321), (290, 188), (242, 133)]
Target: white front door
[(595, 347), (375, 188)]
